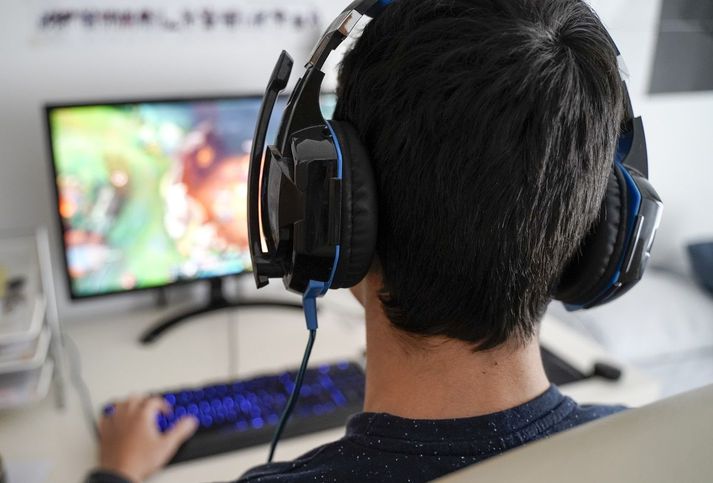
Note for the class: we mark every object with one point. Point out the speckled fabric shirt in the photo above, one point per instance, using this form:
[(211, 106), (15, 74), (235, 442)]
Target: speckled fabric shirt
[(381, 447)]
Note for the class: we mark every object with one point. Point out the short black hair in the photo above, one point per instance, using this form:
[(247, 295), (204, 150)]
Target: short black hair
[(491, 126)]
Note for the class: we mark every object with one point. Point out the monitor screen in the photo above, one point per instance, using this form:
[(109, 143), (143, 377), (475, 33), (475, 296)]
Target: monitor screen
[(154, 193)]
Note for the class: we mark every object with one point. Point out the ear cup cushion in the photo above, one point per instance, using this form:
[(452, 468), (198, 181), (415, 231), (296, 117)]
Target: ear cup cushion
[(359, 208), (590, 272)]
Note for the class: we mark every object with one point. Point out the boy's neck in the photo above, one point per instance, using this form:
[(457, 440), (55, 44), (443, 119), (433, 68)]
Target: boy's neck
[(439, 378)]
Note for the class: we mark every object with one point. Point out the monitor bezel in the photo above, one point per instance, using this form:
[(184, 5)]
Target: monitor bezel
[(48, 107)]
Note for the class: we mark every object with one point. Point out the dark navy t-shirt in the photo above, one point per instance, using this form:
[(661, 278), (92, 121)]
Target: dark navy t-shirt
[(381, 447)]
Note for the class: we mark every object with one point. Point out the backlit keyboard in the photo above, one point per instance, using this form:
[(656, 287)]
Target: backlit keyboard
[(243, 413)]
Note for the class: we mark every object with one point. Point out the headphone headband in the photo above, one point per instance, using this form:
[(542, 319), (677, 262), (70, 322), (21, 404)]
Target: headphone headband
[(341, 27)]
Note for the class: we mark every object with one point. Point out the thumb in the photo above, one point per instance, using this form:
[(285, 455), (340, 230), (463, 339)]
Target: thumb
[(182, 430)]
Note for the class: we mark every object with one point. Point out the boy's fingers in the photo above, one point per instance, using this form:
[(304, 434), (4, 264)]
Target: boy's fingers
[(157, 404), (183, 430)]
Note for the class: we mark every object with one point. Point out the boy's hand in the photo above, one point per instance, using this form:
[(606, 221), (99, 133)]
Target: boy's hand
[(131, 443)]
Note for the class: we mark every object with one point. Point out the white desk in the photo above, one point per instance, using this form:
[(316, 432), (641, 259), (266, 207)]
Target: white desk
[(59, 445)]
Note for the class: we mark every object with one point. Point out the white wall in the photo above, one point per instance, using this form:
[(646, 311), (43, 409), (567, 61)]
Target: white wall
[(679, 127)]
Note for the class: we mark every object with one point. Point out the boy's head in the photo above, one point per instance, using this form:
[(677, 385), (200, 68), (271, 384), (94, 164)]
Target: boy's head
[(491, 127)]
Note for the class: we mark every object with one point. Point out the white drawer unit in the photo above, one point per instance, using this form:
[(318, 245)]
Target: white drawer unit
[(30, 348)]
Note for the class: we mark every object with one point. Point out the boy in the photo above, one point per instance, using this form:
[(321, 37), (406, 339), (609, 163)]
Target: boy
[(491, 126)]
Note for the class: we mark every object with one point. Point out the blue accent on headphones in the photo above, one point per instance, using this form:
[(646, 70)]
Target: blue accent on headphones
[(340, 172), (623, 147), (337, 145), (633, 195), (316, 288), (633, 198), (622, 262), (379, 7)]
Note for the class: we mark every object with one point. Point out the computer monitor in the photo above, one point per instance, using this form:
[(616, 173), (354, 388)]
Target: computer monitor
[(152, 193)]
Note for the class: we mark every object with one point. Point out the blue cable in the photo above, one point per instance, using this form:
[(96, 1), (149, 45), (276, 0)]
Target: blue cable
[(295, 394), (309, 302)]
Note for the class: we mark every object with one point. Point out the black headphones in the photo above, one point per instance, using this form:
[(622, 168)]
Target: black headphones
[(313, 204)]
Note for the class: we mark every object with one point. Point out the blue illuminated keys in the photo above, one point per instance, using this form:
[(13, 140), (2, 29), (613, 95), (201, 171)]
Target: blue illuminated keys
[(237, 414)]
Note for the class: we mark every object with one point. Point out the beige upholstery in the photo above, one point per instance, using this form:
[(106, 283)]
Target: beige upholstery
[(670, 441)]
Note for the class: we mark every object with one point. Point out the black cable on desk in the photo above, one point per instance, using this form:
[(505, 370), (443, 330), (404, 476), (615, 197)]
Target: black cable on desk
[(293, 397)]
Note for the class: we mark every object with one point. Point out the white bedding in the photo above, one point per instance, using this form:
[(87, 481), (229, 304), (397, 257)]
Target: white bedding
[(664, 326)]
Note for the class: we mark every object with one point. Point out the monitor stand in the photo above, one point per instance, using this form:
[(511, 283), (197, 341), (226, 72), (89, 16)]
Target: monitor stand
[(217, 301)]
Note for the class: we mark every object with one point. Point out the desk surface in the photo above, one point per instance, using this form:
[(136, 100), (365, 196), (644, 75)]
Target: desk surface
[(58, 446)]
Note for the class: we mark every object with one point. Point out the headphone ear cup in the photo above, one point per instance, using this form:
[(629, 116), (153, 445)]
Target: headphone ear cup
[(359, 218), (590, 272)]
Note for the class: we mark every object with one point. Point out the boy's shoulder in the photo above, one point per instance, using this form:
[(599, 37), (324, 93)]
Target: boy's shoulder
[(380, 446)]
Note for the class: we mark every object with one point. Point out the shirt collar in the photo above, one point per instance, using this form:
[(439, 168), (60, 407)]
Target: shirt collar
[(542, 412)]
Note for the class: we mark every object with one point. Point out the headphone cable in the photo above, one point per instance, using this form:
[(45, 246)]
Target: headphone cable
[(293, 397)]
